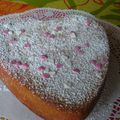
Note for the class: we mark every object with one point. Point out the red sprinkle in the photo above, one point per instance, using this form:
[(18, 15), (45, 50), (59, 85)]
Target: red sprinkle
[(46, 75), (27, 45), (76, 70), (59, 65), (41, 68), (44, 57)]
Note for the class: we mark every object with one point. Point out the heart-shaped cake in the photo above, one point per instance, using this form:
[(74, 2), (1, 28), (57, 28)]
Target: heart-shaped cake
[(53, 62)]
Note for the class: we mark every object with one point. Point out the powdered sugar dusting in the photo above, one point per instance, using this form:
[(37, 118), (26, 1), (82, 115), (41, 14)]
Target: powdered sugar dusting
[(51, 45)]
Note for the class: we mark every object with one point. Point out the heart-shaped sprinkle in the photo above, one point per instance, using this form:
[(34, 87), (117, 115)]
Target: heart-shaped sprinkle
[(41, 68), (24, 66), (98, 66), (27, 45), (76, 70), (59, 65), (19, 63), (93, 62), (58, 28), (52, 36), (46, 75), (14, 61), (46, 34), (44, 57), (77, 48)]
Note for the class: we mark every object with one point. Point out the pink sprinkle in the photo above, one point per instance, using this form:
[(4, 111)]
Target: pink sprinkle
[(76, 70), (46, 34), (86, 45), (98, 66), (25, 66), (19, 63), (93, 62), (58, 28), (59, 65), (14, 62), (44, 57), (27, 45), (52, 36), (41, 68), (46, 75), (77, 48), (22, 30)]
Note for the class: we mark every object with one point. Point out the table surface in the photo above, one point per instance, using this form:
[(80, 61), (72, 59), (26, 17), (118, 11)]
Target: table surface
[(108, 10)]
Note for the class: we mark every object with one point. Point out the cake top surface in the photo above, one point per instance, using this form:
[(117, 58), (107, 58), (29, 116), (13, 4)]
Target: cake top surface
[(64, 59)]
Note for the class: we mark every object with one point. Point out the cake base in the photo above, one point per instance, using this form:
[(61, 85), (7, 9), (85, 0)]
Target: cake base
[(43, 108)]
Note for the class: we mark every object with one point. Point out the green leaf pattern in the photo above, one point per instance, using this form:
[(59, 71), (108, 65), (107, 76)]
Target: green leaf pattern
[(107, 11)]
